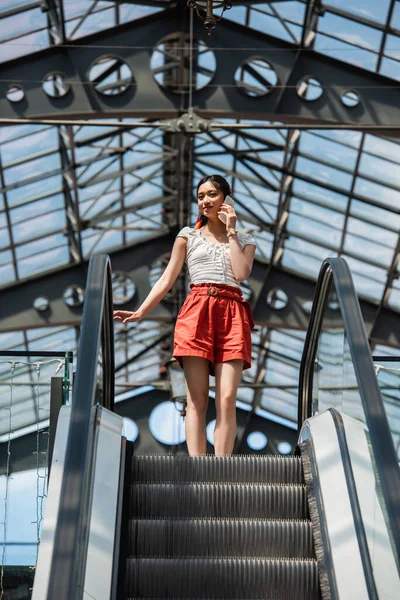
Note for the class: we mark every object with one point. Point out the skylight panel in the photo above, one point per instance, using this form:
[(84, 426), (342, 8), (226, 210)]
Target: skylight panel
[(324, 174), (31, 168), (314, 230), (22, 23), (43, 187), (375, 215), (372, 233), (320, 195), (380, 194), (319, 213), (365, 249), (392, 46), (101, 18), (395, 20), (382, 148), (343, 136), (43, 224), (390, 68), (292, 11), (57, 256), (28, 145), (365, 279), (366, 9), (23, 33), (349, 31), (238, 14), (331, 152), (23, 45), (379, 169), (280, 373), (272, 26), (129, 12), (345, 52)]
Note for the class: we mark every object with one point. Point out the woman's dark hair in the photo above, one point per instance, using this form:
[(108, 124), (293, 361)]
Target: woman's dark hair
[(221, 184)]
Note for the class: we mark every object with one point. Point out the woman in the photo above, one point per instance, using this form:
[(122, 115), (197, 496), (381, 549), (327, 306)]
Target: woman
[(213, 327)]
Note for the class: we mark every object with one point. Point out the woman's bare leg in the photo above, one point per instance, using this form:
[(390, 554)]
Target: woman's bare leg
[(197, 383), (227, 379)]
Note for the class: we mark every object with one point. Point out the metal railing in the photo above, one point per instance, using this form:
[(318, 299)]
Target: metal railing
[(336, 271)]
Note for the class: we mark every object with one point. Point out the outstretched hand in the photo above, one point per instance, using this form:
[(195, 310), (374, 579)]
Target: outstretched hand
[(127, 316)]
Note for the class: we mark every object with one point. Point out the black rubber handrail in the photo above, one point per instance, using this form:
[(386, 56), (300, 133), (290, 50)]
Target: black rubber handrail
[(336, 271), (72, 530)]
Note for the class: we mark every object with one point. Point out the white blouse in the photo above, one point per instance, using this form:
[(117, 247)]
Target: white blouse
[(209, 261)]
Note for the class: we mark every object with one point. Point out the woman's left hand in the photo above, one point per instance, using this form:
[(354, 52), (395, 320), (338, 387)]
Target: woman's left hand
[(231, 217)]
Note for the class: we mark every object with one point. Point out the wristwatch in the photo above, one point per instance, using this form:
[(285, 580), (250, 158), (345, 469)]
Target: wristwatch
[(231, 232)]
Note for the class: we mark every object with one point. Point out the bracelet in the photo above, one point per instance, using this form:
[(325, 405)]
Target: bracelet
[(231, 232)]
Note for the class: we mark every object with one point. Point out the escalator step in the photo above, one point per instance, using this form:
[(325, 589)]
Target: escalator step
[(225, 469), (220, 537), (222, 578), (152, 500)]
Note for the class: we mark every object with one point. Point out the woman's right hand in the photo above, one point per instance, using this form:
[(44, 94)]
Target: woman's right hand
[(127, 316)]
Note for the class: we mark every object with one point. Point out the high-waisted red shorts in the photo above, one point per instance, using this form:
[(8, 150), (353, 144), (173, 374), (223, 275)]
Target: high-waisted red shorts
[(215, 323)]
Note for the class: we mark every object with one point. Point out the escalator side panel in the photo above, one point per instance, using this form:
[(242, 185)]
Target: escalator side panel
[(335, 511), (104, 503), (381, 550)]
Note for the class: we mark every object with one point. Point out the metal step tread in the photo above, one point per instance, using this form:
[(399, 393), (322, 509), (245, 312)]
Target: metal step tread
[(237, 500), (226, 578), (210, 468), (273, 538)]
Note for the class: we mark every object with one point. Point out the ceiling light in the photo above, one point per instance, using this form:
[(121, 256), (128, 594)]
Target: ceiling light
[(205, 10)]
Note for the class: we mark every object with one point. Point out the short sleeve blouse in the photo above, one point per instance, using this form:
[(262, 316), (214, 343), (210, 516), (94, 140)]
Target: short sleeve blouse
[(210, 262)]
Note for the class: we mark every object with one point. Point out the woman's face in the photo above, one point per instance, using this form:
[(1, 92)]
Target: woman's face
[(209, 199)]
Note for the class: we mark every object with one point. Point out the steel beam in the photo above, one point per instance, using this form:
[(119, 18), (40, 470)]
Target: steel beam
[(232, 44)]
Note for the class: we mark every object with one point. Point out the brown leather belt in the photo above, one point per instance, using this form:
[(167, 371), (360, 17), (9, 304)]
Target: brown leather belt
[(213, 290)]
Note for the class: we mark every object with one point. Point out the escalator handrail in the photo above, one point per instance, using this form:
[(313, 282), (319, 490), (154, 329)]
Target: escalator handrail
[(71, 534), (336, 271)]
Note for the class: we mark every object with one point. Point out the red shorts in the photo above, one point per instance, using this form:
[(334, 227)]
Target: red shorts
[(215, 323)]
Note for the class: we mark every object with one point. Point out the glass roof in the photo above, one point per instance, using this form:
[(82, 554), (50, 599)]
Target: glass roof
[(340, 196)]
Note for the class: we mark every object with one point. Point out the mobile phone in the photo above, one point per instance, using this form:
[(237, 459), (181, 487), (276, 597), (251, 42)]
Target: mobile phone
[(228, 200)]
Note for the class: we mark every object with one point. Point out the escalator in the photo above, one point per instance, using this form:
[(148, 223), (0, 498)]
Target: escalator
[(322, 524)]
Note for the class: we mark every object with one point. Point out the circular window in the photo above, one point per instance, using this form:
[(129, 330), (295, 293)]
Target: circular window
[(309, 89), (15, 93), (129, 429), (55, 86), (256, 77), (74, 296), (41, 303), (350, 99), (110, 76), (277, 299), (210, 432), (123, 288), (257, 440), (284, 448), (166, 424), (170, 63), (307, 306)]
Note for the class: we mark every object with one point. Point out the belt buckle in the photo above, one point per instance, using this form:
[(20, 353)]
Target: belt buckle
[(212, 291)]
